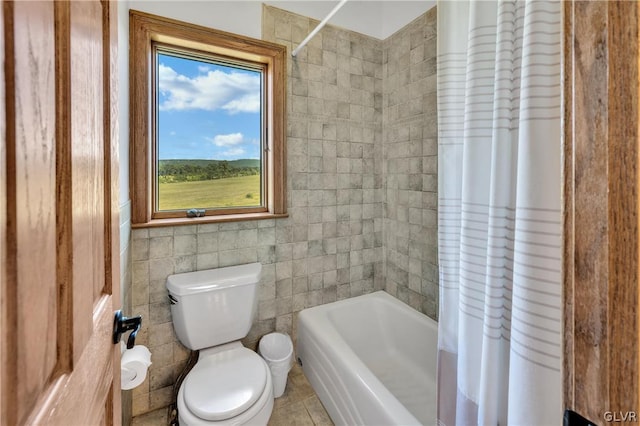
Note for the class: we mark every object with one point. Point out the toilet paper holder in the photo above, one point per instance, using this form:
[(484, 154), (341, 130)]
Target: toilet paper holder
[(122, 324)]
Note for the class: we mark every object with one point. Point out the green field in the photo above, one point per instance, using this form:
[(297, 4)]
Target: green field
[(229, 192)]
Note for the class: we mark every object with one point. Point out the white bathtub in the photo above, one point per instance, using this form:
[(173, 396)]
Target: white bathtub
[(371, 359)]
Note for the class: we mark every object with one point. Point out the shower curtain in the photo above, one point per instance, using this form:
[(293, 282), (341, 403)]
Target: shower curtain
[(499, 238)]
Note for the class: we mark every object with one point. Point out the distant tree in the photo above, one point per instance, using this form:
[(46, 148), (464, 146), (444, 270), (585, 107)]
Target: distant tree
[(195, 170)]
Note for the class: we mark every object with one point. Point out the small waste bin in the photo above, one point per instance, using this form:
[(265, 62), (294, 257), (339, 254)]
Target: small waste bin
[(277, 351)]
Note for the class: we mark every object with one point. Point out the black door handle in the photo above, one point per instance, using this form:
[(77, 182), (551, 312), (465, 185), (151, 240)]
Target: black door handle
[(122, 324)]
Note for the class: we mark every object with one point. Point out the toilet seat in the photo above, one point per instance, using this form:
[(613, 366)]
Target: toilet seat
[(231, 387), (225, 384)]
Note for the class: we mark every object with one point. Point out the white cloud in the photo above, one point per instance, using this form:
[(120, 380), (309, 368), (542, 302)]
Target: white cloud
[(228, 140), (172, 133), (248, 103), (233, 92)]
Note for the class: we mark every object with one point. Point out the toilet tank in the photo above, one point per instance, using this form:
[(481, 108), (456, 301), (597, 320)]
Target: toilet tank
[(214, 306)]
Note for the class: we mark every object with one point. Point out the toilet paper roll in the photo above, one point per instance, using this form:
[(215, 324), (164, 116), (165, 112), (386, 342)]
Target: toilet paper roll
[(133, 366)]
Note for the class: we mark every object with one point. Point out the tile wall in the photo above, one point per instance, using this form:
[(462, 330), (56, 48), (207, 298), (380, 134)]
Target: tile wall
[(410, 164)]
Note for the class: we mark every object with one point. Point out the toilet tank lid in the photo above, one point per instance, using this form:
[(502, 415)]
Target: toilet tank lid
[(213, 279)]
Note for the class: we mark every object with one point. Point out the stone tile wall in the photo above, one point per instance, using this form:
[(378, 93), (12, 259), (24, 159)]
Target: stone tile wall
[(410, 164), (330, 247)]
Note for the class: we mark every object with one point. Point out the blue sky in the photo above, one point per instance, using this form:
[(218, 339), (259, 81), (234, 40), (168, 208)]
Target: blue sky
[(207, 111)]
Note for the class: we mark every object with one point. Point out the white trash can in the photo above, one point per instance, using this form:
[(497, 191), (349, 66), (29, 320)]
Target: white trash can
[(277, 351)]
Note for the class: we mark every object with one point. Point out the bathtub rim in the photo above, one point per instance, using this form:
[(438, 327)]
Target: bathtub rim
[(344, 355)]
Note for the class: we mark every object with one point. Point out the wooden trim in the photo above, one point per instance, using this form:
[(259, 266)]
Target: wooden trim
[(601, 137), (169, 30), (211, 55), (568, 266), (155, 223), (278, 131), (139, 139), (146, 29), (181, 214), (113, 405), (8, 373), (585, 208), (622, 168), (63, 186), (3, 211)]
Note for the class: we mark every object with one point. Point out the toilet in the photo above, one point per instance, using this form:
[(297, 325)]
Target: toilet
[(212, 310)]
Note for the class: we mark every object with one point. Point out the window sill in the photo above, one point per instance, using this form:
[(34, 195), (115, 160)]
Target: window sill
[(178, 221)]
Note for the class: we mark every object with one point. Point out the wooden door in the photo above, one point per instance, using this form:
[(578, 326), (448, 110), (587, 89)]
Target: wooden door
[(601, 196), (59, 218)]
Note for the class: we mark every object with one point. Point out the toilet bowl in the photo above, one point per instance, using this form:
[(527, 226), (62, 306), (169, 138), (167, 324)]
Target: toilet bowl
[(230, 385), (211, 311)]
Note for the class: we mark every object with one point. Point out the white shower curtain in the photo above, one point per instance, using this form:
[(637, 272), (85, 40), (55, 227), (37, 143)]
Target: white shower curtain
[(499, 106)]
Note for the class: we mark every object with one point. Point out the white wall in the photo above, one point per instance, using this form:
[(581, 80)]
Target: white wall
[(123, 98), (240, 17), (394, 15)]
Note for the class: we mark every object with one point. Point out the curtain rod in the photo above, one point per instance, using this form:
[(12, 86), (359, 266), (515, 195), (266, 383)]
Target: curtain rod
[(318, 28)]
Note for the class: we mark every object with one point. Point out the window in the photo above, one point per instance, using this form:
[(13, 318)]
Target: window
[(207, 120), (208, 132)]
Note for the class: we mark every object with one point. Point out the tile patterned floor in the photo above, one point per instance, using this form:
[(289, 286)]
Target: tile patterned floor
[(154, 418), (299, 405)]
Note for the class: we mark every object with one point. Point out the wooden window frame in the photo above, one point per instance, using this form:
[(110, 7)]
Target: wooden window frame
[(145, 31)]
